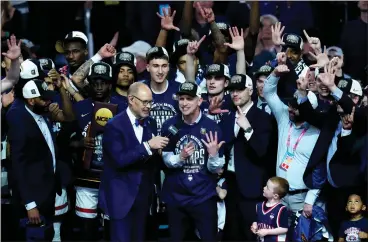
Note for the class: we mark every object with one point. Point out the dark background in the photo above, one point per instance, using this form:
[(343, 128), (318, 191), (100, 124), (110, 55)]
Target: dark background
[(51, 21)]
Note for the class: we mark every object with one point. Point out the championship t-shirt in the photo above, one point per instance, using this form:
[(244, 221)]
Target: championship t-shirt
[(164, 105), (349, 230), (192, 183)]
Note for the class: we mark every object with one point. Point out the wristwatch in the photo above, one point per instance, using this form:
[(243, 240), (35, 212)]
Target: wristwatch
[(248, 130)]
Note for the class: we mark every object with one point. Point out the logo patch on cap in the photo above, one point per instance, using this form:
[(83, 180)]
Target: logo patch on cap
[(265, 69), (33, 72), (221, 26), (152, 50), (44, 86), (100, 69), (183, 42), (33, 91), (125, 57), (187, 86), (342, 84), (292, 38), (43, 62), (236, 79), (214, 68)]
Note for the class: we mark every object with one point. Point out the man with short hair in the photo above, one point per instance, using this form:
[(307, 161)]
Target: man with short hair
[(247, 133), (130, 145), (260, 76), (193, 159), (124, 74), (165, 104)]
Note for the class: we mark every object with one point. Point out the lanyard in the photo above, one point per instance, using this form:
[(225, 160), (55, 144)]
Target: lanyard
[(297, 141)]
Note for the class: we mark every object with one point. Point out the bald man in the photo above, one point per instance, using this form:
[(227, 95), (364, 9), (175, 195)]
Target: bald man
[(130, 150)]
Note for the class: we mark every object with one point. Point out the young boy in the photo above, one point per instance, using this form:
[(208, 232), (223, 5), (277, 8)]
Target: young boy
[(272, 216), (355, 229)]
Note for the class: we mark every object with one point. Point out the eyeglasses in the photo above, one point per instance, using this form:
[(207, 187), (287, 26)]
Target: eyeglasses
[(145, 103)]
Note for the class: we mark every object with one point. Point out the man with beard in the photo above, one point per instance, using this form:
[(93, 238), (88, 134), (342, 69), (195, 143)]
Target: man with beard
[(124, 73), (36, 174), (163, 90), (296, 141)]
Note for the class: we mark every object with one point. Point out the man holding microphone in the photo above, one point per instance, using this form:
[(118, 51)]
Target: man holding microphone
[(130, 150), (192, 156)]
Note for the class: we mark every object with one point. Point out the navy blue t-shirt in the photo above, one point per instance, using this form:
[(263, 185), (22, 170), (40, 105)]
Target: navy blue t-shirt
[(164, 105), (192, 183), (349, 230), (227, 104), (272, 218)]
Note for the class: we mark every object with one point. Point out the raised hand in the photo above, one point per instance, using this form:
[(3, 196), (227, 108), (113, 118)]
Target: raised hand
[(215, 106), (206, 13), (241, 120), (281, 58), (187, 151), (237, 39), (302, 84), (193, 46), (212, 144), (322, 59), (314, 42), (13, 48), (167, 21), (348, 120), (56, 113), (280, 69), (277, 31), (107, 51)]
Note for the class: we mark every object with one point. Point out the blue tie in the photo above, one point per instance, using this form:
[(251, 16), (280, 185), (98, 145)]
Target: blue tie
[(141, 122)]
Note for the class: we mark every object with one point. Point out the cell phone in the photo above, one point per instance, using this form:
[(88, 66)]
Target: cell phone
[(161, 8), (273, 63)]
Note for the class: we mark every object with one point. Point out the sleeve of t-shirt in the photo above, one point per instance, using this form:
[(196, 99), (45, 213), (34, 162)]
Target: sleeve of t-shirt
[(282, 220)]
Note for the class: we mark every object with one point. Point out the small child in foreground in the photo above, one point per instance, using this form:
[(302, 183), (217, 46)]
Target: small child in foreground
[(355, 229), (272, 216)]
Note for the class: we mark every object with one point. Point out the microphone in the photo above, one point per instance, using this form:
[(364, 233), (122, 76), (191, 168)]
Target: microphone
[(173, 131)]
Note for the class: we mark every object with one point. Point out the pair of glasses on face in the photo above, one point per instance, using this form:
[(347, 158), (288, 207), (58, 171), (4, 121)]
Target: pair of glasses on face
[(144, 102)]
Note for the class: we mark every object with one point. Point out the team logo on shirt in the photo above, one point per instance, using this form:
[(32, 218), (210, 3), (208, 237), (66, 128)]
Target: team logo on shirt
[(272, 216), (102, 116), (203, 131), (195, 162)]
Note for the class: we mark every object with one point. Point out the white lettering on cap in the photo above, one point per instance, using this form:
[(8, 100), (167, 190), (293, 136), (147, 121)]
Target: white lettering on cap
[(187, 86), (292, 38), (342, 84), (125, 57), (154, 49), (100, 69), (236, 79), (265, 69), (214, 68), (43, 62), (183, 42), (222, 26)]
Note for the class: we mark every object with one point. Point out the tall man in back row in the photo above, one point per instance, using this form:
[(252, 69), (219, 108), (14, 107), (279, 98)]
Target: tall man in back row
[(193, 159), (129, 150)]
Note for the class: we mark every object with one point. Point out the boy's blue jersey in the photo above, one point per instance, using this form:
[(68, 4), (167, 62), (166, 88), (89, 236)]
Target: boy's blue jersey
[(272, 218), (349, 230)]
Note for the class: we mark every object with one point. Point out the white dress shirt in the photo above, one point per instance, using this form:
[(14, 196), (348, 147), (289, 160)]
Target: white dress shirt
[(231, 165), (138, 130), (48, 138)]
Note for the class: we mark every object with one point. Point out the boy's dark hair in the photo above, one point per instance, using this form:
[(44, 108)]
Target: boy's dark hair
[(282, 186), (159, 56)]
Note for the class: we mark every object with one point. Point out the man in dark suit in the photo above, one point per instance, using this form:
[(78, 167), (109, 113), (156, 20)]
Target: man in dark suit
[(126, 185), (247, 133), (35, 174)]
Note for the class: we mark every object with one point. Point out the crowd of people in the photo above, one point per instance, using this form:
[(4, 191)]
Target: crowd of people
[(253, 134)]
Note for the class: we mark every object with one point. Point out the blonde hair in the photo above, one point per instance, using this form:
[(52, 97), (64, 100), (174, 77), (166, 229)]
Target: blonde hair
[(282, 187)]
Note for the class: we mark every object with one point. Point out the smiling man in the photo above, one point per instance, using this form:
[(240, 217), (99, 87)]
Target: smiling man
[(163, 90)]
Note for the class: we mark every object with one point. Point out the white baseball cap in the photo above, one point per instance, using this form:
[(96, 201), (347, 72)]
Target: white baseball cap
[(37, 88), (29, 69), (138, 48)]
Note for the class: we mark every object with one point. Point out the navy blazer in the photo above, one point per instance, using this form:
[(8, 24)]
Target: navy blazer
[(127, 166), (33, 177), (251, 160), (315, 173)]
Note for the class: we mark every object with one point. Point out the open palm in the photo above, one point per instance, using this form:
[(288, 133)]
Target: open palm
[(167, 21), (237, 39), (13, 48)]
